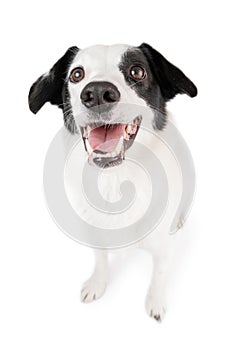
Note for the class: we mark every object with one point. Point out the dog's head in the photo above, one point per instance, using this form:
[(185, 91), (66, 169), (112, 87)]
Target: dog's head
[(95, 88)]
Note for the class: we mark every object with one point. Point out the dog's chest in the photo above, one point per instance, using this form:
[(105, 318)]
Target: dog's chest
[(110, 198), (120, 196)]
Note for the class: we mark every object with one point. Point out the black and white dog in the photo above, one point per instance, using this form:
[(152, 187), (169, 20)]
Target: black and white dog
[(93, 87)]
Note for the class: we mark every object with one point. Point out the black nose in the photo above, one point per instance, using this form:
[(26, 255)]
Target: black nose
[(99, 93)]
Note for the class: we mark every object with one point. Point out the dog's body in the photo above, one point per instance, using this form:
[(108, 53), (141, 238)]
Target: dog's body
[(102, 86), (158, 243)]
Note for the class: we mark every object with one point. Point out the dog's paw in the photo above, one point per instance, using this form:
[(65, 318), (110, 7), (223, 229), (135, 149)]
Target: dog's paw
[(181, 223), (93, 289), (154, 307)]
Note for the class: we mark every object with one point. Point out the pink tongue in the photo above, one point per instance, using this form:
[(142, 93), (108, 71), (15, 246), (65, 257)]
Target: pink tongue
[(106, 139)]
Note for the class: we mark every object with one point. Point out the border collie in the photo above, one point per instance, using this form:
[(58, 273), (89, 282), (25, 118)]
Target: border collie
[(94, 87)]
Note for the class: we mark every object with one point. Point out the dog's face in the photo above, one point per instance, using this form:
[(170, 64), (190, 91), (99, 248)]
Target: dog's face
[(101, 91)]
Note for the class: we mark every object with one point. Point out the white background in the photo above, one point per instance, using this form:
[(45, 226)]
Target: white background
[(41, 270)]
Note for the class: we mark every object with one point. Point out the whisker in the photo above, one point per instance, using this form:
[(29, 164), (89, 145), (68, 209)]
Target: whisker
[(67, 111), (139, 81), (64, 104)]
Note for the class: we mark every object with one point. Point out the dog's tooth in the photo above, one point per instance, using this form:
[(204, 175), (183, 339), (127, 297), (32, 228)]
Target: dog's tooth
[(126, 136), (89, 148), (89, 129), (128, 128)]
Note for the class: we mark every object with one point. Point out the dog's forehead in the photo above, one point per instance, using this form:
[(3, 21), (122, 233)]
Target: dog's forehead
[(100, 56)]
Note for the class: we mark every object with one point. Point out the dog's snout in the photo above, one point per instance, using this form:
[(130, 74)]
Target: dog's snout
[(99, 93)]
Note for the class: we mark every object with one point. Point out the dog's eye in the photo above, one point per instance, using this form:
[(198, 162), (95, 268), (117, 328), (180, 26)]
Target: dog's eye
[(77, 75), (137, 73)]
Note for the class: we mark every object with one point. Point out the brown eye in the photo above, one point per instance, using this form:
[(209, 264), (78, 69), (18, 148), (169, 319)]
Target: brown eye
[(137, 73), (77, 75)]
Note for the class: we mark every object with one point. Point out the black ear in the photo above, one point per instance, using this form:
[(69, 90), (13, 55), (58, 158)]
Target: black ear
[(172, 81), (48, 88)]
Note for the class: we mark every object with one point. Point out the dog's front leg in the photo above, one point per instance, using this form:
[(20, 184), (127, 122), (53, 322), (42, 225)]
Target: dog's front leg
[(155, 300), (95, 286)]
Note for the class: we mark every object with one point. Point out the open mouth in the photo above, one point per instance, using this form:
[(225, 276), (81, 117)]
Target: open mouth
[(106, 143)]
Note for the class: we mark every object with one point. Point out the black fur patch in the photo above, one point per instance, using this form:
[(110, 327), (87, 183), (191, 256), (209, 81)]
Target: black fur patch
[(163, 81), (52, 88), (172, 81), (148, 88), (68, 117)]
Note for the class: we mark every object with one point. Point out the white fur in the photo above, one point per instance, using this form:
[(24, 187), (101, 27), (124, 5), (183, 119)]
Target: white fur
[(101, 63), (158, 243)]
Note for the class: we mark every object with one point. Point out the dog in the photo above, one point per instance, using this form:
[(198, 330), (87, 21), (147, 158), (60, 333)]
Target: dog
[(93, 86)]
